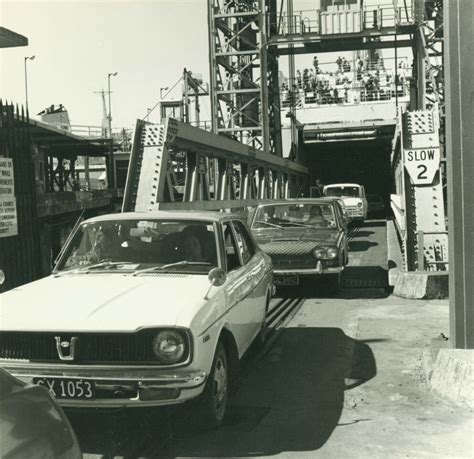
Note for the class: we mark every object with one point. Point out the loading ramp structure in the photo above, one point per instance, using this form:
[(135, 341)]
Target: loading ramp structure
[(178, 166)]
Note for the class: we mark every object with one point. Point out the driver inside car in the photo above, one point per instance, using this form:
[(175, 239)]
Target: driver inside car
[(105, 246), (316, 217)]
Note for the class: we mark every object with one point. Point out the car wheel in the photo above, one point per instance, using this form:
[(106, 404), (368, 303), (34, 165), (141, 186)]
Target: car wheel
[(214, 398)]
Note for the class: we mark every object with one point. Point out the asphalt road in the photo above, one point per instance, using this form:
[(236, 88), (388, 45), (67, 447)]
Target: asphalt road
[(328, 383)]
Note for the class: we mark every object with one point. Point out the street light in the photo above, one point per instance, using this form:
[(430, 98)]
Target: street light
[(31, 58), (110, 105)]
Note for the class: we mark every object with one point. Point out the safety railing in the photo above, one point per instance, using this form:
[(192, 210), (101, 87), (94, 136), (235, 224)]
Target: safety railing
[(206, 125), (340, 20), (342, 95)]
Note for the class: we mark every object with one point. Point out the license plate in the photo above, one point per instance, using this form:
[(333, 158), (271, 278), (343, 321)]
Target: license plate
[(286, 279), (68, 388)]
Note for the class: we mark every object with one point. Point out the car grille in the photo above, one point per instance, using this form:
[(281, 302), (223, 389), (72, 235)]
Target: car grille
[(306, 261), (90, 348)]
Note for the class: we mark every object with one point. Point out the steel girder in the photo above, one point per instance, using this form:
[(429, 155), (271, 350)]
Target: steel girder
[(178, 162), (426, 236), (244, 74)]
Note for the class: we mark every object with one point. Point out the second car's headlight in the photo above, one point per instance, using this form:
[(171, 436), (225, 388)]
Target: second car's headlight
[(325, 253), (318, 253), (169, 346)]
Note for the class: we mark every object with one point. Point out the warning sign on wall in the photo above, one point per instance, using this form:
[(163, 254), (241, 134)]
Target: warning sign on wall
[(8, 215)]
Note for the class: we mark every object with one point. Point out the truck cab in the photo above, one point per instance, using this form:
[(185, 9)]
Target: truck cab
[(353, 198)]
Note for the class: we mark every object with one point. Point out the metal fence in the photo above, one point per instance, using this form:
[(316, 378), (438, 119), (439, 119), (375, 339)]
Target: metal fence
[(20, 257)]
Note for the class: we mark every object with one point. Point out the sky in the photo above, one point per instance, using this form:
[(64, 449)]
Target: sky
[(77, 43)]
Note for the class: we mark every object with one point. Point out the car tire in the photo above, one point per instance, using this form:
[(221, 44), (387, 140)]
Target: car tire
[(213, 402)]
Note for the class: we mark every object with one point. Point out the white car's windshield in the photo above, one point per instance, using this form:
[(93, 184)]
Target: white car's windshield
[(178, 245), (346, 191), (311, 215)]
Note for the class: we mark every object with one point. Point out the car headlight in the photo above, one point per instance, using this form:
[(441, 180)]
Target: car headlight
[(169, 346), (325, 253), (318, 253), (359, 204)]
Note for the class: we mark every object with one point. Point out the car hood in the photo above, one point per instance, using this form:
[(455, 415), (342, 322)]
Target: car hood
[(288, 239), (351, 202), (101, 302)]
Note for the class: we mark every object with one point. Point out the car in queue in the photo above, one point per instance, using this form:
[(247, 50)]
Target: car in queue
[(142, 309), (353, 197), (304, 237), (32, 424)]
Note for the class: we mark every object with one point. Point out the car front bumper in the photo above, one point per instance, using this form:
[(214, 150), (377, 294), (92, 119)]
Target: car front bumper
[(118, 387), (318, 270)]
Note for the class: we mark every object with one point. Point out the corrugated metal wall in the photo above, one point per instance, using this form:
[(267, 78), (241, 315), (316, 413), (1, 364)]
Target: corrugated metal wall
[(19, 255)]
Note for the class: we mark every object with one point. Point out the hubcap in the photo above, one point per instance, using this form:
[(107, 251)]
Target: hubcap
[(220, 383)]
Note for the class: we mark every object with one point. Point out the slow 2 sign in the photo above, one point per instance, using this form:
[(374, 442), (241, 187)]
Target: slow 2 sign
[(422, 164)]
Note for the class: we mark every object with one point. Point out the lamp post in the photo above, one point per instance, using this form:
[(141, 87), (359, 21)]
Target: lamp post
[(110, 104), (110, 168), (26, 81)]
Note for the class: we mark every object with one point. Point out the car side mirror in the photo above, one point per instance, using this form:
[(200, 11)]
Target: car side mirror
[(217, 277), (2, 277)]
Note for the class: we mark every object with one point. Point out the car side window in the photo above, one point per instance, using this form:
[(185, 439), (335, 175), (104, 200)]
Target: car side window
[(231, 248), (244, 243)]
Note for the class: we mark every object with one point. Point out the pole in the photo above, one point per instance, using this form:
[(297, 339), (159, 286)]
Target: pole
[(26, 87), (460, 163), (110, 108), (110, 168), (396, 71), (186, 94)]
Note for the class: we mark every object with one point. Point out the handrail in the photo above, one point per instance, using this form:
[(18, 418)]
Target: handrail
[(310, 20)]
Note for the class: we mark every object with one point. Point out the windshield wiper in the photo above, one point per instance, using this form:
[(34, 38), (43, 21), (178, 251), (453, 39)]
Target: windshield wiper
[(170, 265), (85, 269), (298, 224)]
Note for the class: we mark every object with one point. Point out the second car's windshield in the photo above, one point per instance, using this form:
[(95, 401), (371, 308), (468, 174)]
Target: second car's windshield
[(347, 191), (311, 215), (141, 244)]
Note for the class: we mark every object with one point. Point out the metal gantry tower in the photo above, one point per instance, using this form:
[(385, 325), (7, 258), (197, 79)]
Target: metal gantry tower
[(245, 101)]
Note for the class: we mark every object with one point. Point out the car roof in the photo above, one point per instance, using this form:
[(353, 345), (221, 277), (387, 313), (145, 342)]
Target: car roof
[(343, 185), (191, 215), (322, 200)]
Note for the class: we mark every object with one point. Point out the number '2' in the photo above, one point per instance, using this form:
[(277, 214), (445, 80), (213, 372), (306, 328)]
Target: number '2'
[(422, 175)]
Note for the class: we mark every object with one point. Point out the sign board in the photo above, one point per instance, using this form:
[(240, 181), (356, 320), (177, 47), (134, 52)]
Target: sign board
[(8, 215), (422, 164)]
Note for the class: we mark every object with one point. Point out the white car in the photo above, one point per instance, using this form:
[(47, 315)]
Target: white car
[(142, 309), (353, 198)]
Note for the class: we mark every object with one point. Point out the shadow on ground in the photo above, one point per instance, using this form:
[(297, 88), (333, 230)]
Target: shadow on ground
[(356, 282), (291, 399), (361, 246), (359, 234)]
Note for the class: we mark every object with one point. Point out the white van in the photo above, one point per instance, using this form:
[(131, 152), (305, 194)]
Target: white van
[(353, 197)]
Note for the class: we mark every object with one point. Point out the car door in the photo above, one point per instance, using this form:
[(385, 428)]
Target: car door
[(239, 289), (256, 273), (342, 224), (365, 204)]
